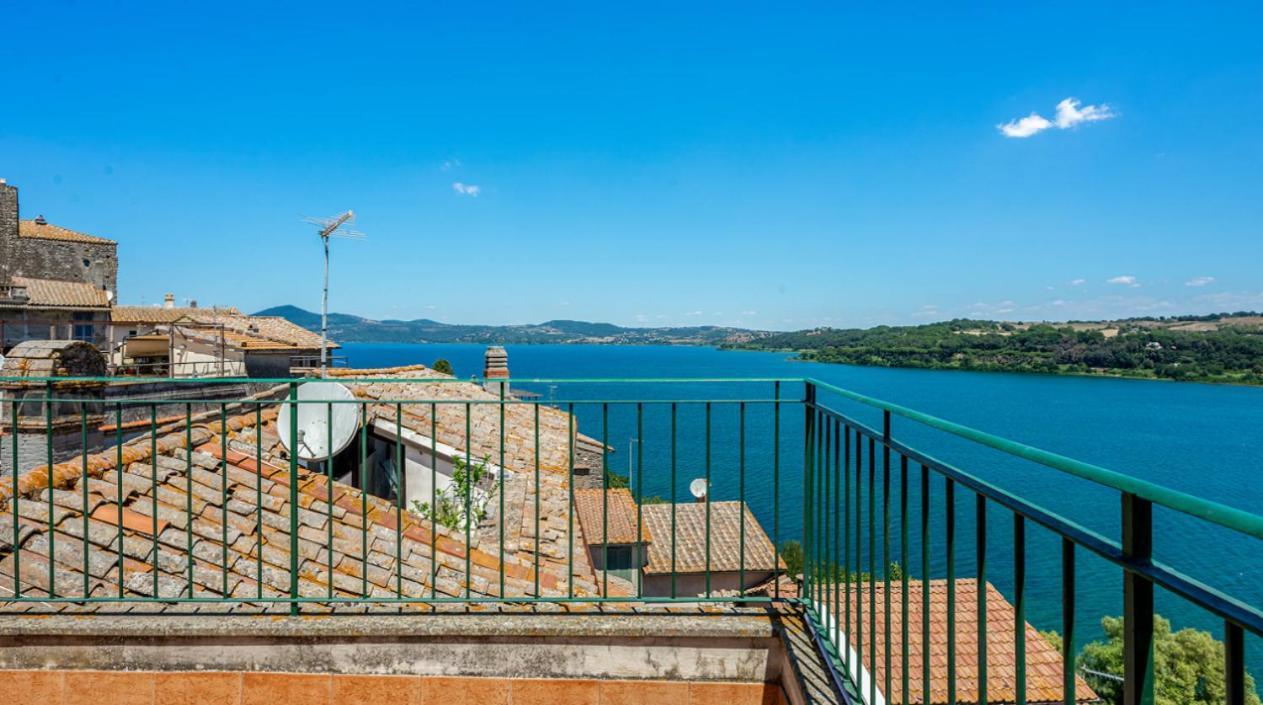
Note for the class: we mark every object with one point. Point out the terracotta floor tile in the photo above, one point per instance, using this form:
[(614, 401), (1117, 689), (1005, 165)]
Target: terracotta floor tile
[(726, 693), (194, 688), (377, 690), (285, 689), (556, 691), (113, 687), (483, 691), (643, 692), (31, 687)]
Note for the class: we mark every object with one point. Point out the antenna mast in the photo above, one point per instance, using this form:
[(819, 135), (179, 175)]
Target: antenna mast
[(329, 227)]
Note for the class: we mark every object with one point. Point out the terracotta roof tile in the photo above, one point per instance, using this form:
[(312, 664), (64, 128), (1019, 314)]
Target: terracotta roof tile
[(1043, 661), (230, 513), (240, 330), (690, 538), (48, 231), (612, 510), (54, 292), (158, 314)]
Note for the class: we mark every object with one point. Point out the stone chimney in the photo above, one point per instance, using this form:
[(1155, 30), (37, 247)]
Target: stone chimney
[(495, 370), (8, 229), (168, 301)]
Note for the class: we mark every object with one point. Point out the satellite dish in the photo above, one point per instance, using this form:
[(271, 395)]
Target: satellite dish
[(698, 488), (314, 417)]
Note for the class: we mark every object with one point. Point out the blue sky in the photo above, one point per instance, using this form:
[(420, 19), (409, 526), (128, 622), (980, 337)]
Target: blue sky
[(651, 164)]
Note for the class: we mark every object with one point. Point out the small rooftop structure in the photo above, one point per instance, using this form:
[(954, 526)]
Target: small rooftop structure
[(608, 517), (725, 538), (53, 358)]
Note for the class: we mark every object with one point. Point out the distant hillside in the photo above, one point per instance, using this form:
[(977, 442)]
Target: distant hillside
[(1214, 348), (346, 328)]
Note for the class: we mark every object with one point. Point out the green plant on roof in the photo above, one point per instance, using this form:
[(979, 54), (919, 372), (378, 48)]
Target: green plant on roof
[(466, 497), (443, 366)]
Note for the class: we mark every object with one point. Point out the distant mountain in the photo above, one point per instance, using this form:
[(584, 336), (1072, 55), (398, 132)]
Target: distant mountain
[(347, 328)]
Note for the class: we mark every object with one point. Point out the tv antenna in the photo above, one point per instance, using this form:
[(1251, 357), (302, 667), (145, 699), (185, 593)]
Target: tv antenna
[(330, 228)]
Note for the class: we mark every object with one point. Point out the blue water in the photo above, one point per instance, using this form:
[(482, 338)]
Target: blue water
[(1202, 439)]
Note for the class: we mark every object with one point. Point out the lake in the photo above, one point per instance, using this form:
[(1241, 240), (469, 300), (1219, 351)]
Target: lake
[(1202, 439)]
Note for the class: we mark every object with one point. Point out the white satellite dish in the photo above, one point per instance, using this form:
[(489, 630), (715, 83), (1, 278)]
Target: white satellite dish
[(698, 488), (314, 420)]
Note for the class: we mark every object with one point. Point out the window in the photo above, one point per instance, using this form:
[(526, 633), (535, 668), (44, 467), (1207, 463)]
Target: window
[(84, 328), (619, 558), (87, 262)]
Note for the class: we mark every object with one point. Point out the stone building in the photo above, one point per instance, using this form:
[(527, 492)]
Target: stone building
[(55, 283), (171, 341)]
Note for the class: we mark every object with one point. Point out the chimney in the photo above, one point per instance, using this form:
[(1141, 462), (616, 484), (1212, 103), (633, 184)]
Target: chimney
[(495, 370), (39, 220), (192, 303), (168, 301)]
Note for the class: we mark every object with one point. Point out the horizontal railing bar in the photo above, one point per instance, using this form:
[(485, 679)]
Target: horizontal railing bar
[(1166, 577), (273, 401), (408, 380), (1214, 512)]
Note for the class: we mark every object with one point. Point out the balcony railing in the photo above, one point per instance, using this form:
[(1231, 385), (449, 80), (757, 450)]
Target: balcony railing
[(207, 511)]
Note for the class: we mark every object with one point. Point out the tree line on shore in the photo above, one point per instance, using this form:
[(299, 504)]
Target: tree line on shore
[(1153, 348)]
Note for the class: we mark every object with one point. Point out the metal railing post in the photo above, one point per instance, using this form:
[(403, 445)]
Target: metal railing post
[(1234, 664), (809, 435), (293, 498), (1137, 603)]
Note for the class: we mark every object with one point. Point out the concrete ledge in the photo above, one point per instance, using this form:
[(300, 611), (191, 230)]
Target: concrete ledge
[(719, 625), (675, 647)]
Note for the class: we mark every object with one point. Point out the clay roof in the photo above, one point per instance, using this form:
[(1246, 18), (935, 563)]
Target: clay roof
[(255, 332), (1043, 661), (48, 231), (236, 507), (271, 327), (613, 511), (158, 314), (690, 538), (54, 292)]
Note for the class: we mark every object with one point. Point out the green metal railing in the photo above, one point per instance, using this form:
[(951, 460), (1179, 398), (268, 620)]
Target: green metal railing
[(826, 475), (842, 450)]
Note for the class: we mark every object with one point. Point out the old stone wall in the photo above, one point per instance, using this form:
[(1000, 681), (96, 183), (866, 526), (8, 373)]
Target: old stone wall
[(8, 228), (94, 263)]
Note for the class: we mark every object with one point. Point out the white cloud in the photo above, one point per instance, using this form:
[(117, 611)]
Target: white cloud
[(1123, 280), (1070, 113), (1199, 281), (450, 164), (694, 313), (1078, 282), (471, 190), (749, 313), (1025, 127)]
